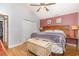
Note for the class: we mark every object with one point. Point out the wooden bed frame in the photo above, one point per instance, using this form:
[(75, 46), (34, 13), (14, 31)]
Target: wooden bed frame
[(64, 28)]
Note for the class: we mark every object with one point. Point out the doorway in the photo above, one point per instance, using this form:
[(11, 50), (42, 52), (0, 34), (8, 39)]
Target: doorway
[(4, 30), (1, 31)]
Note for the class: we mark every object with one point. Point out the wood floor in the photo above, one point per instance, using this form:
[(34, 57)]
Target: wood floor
[(22, 51)]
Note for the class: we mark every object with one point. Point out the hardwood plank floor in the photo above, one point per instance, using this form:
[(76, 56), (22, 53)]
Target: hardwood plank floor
[(22, 51)]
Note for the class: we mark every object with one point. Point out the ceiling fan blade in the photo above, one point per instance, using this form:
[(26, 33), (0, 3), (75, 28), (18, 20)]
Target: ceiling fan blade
[(34, 4), (46, 9), (49, 4), (42, 4), (38, 9)]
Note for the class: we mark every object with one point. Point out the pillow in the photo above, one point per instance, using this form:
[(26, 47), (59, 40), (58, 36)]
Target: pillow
[(60, 31), (48, 31)]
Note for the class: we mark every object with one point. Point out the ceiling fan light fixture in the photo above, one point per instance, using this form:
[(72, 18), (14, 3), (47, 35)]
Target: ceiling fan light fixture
[(38, 9), (46, 8), (43, 6)]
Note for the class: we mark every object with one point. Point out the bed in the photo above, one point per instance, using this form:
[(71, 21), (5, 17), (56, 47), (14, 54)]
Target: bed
[(54, 34), (56, 38)]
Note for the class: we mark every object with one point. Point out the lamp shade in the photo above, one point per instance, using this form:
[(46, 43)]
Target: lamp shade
[(74, 27)]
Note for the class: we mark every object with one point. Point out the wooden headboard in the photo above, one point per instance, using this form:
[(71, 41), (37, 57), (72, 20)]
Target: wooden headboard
[(64, 28)]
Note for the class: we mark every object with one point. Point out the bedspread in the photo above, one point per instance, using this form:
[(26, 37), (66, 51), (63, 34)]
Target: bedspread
[(53, 37)]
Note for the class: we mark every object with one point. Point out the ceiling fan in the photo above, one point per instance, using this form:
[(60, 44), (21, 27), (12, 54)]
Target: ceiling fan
[(42, 4)]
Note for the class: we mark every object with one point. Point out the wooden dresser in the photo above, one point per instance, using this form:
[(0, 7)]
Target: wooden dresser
[(39, 47)]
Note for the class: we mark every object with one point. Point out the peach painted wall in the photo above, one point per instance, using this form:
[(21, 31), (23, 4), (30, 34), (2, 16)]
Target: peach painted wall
[(68, 19)]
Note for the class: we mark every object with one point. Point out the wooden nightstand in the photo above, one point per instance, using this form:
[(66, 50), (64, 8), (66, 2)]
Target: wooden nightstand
[(72, 41)]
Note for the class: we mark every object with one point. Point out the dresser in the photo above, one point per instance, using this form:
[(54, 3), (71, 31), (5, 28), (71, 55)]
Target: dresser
[(73, 41), (39, 47)]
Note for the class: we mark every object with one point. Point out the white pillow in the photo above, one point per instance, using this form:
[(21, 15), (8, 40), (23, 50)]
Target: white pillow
[(60, 31), (48, 31)]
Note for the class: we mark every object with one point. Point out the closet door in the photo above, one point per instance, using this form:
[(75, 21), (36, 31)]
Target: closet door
[(28, 28)]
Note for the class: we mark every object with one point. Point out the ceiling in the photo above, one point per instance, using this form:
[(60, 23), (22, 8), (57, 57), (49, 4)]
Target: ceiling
[(56, 10)]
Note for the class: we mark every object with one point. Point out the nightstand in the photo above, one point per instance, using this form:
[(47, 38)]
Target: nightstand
[(72, 41)]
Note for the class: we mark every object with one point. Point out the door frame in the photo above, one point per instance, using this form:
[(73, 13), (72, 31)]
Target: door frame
[(5, 18)]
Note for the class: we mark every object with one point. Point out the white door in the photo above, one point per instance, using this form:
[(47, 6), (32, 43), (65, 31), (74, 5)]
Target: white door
[(28, 28)]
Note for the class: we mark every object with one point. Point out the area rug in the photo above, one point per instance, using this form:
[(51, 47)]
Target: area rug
[(3, 51)]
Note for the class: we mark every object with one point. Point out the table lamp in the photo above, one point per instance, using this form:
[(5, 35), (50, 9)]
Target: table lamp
[(75, 28)]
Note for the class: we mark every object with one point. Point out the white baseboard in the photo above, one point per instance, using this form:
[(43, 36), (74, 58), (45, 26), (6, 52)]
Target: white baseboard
[(71, 44), (15, 45)]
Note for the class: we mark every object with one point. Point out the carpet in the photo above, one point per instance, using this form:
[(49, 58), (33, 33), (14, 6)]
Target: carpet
[(3, 51)]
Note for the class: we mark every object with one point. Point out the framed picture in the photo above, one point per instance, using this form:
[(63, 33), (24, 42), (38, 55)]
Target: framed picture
[(48, 21), (58, 20)]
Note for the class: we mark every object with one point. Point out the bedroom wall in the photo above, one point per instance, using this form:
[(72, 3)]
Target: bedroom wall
[(6, 10), (19, 35), (68, 19), (17, 13), (30, 23)]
